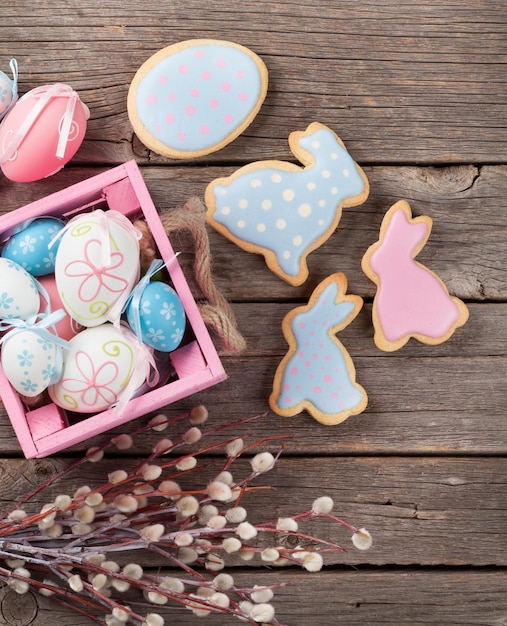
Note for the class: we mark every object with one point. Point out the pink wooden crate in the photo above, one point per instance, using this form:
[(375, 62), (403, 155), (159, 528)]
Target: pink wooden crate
[(47, 429)]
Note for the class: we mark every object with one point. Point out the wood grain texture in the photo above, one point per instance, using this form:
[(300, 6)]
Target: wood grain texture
[(466, 246), (425, 511), (410, 597), (417, 92), (400, 83)]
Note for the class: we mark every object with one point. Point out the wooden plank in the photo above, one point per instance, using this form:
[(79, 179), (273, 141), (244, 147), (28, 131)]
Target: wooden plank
[(466, 247), (409, 84), (363, 598), (422, 400), (427, 511)]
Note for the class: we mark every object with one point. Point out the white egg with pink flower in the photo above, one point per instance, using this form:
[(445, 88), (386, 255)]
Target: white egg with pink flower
[(101, 364), (96, 266)]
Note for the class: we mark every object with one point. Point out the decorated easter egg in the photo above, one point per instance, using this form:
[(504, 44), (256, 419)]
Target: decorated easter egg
[(8, 88), (160, 317), (98, 368), (67, 327), (30, 246), (19, 296), (42, 132), (28, 361), (96, 266), (196, 96)]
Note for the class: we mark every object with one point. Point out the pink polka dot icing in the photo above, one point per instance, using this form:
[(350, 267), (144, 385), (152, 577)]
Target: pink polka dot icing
[(210, 90), (325, 386)]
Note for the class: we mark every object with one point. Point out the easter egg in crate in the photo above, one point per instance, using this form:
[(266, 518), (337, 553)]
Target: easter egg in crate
[(19, 297), (29, 246), (42, 132), (97, 265), (29, 361), (66, 327), (101, 364), (157, 317)]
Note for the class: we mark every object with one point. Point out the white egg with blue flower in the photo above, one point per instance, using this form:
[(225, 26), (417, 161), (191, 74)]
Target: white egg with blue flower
[(30, 246), (28, 361), (19, 297), (160, 316)]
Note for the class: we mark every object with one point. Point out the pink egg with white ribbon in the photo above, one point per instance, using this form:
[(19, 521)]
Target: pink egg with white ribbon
[(66, 327), (42, 132)]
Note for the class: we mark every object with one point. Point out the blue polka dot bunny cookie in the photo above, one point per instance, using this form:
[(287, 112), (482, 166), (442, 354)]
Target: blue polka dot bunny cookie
[(317, 373), (284, 211)]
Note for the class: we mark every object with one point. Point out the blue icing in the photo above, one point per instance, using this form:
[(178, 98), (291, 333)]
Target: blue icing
[(161, 317), (317, 372), (29, 247), (286, 211), (196, 97)]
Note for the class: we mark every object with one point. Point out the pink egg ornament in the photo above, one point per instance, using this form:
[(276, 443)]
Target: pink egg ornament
[(42, 132), (67, 327)]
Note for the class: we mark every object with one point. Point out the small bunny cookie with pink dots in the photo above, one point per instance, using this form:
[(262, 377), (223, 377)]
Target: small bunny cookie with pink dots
[(317, 373), (194, 97)]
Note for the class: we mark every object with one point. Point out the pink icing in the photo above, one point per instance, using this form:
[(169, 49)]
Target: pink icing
[(410, 299)]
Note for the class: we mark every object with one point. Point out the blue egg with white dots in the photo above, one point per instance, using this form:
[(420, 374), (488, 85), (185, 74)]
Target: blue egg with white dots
[(161, 316), (29, 247)]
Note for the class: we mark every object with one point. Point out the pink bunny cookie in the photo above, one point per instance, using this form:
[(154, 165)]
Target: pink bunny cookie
[(194, 97), (317, 373), (411, 301)]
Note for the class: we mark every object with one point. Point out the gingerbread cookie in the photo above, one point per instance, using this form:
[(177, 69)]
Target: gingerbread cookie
[(283, 211), (411, 301), (196, 96), (317, 373)]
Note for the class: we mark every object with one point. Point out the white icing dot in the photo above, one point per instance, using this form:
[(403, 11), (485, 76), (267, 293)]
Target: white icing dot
[(261, 227), (326, 174), (315, 144), (288, 194), (241, 224), (334, 156), (243, 203), (226, 210), (321, 222), (276, 178), (322, 203), (304, 210), (286, 254), (266, 205), (298, 240), (256, 183), (281, 224), (334, 190), (346, 173), (311, 186)]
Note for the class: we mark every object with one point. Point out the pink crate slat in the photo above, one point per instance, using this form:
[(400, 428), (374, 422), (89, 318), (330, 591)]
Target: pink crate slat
[(187, 360), (45, 421), (45, 430)]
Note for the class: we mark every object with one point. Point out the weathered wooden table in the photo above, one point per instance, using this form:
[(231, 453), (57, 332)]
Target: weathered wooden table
[(418, 93)]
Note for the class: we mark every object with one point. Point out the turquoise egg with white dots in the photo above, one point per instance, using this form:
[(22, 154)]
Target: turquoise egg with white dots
[(30, 246), (161, 317), (19, 297)]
